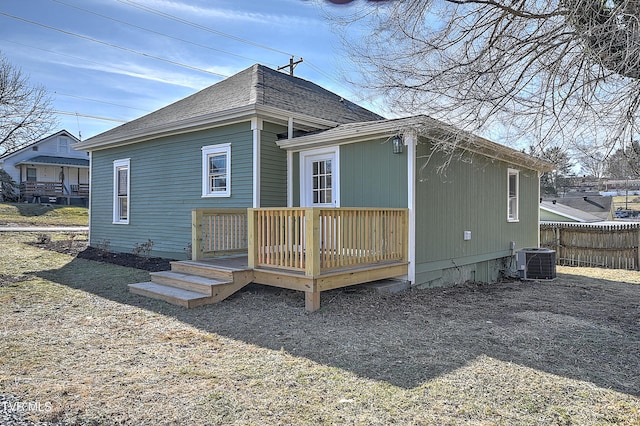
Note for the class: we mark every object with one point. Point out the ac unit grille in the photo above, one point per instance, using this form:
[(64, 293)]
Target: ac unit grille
[(536, 264)]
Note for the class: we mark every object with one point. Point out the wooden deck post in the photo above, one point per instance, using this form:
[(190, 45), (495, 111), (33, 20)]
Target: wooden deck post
[(312, 257), (312, 246), (311, 301), (252, 236), (196, 234)]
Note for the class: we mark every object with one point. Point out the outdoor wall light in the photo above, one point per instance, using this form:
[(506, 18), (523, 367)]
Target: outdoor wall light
[(397, 144)]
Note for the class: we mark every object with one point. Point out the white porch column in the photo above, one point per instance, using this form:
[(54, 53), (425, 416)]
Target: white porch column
[(290, 166), (411, 141), (256, 128)]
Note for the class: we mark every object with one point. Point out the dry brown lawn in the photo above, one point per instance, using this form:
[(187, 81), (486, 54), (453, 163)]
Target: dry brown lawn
[(559, 352)]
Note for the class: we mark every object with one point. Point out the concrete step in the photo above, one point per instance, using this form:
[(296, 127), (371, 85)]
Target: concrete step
[(173, 295), (190, 282)]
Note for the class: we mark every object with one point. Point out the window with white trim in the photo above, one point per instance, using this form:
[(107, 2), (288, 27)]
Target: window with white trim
[(513, 195), (63, 144), (216, 170), (121, 188)]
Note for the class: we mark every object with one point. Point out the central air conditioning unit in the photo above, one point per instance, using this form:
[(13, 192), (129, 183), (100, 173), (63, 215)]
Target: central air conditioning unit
[(536, 263)]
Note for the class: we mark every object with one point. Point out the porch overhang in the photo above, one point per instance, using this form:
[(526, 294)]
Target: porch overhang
[(424, 126), (46, 160)]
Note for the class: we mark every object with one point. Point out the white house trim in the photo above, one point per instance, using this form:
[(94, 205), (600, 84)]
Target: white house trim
[(411, 140), (331, 150), (256, 128)]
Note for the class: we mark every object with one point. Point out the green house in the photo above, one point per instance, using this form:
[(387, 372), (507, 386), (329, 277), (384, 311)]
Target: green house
[(299, 180)]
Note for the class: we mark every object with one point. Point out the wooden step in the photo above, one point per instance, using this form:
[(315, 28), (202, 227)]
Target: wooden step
[(173, 295), (191, 282), (203, 270), (182, 297)]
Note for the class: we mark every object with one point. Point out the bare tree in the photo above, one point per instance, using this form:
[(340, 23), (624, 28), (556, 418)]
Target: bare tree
[(541, 72), (25, 110)]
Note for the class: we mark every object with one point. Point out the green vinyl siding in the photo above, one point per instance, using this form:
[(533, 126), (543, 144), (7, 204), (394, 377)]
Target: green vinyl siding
[(273, 168), (372, 176), (469, 194), (166, 184)]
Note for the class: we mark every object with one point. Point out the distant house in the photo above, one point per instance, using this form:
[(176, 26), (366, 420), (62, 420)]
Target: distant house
[(315, 191), (585, 208), (552, 211), (50, 170)]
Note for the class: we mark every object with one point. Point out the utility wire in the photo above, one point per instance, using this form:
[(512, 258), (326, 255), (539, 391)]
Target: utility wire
[(95, 117), (126, 49), (201, 27), (157, 32), (99, 101)]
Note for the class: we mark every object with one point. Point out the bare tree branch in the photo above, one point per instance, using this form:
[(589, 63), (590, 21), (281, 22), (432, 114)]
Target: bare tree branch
[(542, 72), (25, 110)]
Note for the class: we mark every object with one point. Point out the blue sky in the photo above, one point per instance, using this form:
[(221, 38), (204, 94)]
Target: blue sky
[(110, 61)]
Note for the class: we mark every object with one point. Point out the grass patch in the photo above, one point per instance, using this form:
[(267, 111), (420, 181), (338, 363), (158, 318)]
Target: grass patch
[(25, 214), (559, 352)]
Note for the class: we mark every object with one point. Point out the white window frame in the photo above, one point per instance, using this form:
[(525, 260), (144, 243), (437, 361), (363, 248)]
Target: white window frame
[(117, 166), (305, 175), (513, 201), (207, 152), (64, 145)]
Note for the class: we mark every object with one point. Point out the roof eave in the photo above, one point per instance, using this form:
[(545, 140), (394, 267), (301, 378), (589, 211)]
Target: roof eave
[(389, 128), (182, 126), (568, 216), (37, 163), (203, 122)]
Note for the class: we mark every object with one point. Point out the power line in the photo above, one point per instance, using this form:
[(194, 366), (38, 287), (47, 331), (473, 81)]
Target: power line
[(156, 32), (95, 117), (126, 49), (99, 101), (201, 27)]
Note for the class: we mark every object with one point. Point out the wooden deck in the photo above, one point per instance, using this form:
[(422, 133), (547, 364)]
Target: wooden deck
[(306, 249), (193, 283)]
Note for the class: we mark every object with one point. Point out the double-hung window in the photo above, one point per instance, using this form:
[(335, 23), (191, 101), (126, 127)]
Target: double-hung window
[(63, 145), (216, 170), (121, 187), (513, 195)]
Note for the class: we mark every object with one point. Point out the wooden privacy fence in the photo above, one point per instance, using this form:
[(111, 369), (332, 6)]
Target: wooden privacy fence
[(217, 232), (594, 245), (312, 240)]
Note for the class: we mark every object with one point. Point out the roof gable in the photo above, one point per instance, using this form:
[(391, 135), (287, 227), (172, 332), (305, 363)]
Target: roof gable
[(46, 139), (255, 87)]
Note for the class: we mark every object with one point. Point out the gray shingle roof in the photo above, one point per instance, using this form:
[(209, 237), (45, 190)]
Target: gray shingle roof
[(571, 213), (594, 204), (58, 161), (257, 85)]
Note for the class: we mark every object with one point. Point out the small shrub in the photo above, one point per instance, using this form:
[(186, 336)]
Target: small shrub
[(143, 249), (43, 239), (103, 247), (71, 239)]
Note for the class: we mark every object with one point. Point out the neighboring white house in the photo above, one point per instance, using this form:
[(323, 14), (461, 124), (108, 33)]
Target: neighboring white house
[(50, 170)]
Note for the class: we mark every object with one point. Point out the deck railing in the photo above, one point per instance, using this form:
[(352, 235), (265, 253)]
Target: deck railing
[(217, 232), (52, 189), (46, 189), (315, 240)]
